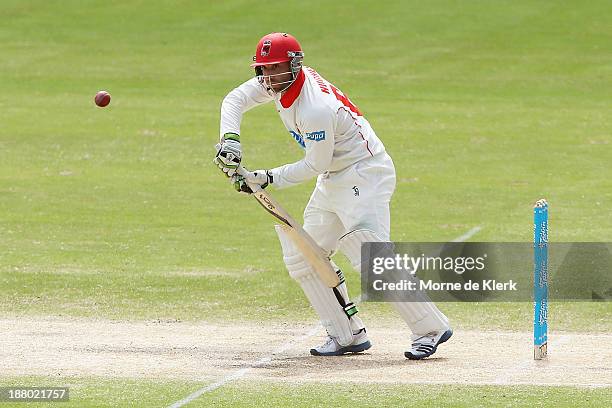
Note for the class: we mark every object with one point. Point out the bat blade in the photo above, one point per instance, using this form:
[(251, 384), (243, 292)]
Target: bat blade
[(303, 241), (311, 251)]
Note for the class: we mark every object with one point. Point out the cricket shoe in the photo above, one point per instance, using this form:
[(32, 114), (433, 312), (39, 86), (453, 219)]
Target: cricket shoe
[(425, 346), (332, 348)]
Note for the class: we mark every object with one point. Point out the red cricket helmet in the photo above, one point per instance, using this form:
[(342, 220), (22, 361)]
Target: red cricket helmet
[(275, 48)]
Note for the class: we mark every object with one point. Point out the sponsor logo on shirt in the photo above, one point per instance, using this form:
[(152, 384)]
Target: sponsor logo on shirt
[(316, 136), (298, 138)]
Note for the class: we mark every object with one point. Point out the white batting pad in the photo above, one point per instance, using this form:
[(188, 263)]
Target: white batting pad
[(322, 298), (350, 245), (421, 315)]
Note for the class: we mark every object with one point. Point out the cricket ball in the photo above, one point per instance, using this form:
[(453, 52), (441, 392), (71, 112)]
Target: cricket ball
[(102, 98)]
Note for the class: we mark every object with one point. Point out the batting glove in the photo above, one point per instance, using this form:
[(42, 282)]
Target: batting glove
[(229, 154), (244, 179)]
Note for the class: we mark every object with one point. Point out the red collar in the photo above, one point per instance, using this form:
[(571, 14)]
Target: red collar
[(293, 91)]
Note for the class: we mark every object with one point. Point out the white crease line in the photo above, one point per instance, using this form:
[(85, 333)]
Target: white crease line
[(286, 346), (243, 371), (467, 235)]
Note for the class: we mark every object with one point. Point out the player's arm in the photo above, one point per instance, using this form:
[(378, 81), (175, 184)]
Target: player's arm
[(247, 96), (317, 127)]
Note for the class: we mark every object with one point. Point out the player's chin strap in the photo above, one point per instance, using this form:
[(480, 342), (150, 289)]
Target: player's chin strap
[(266, 81), (297, 58)]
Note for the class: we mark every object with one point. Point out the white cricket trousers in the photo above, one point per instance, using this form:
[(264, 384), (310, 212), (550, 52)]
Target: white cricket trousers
[(358, 198)]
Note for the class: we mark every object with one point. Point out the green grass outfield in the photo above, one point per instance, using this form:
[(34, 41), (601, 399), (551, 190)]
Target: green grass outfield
[(119, 213), (94, 392)]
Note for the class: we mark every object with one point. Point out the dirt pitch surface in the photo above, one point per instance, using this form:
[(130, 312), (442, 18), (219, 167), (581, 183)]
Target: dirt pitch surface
[(213, 352)]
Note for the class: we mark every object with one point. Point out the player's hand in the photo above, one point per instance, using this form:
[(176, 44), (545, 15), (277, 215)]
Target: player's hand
[(244, 179), (229, 154)]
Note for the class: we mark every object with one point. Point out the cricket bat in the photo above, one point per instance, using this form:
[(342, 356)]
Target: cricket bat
[(313, 253)]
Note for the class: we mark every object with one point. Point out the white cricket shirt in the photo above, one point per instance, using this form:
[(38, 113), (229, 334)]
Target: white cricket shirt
[(321, 119)]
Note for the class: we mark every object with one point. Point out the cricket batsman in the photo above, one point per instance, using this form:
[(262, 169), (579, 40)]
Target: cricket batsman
[(350, 203)]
